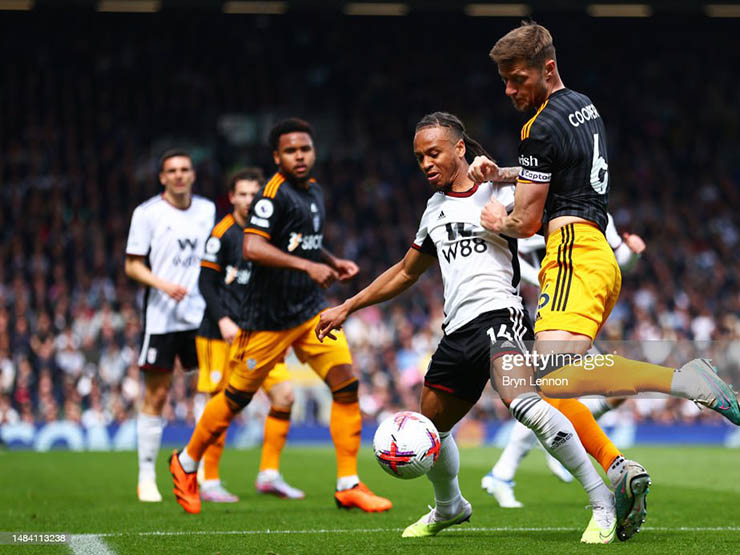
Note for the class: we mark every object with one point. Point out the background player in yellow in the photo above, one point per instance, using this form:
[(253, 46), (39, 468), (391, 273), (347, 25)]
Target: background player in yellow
[(562, 187), (224, 277), (283, 239)]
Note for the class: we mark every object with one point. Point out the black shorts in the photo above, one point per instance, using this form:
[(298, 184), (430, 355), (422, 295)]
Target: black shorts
[(158, 351), (461, 365)]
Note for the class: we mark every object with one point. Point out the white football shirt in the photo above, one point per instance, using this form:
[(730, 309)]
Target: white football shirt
[(173, 241), (479, 268)]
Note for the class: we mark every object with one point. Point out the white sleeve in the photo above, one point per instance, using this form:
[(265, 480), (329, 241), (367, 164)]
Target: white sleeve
[(611, 233), (139, 234), (422, 241), (626, 257), (528, 273)]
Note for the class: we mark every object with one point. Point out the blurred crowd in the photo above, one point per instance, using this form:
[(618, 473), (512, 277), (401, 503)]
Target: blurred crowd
[(85, 115)]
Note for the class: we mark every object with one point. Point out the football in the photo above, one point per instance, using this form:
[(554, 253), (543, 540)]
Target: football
[(406, 445)]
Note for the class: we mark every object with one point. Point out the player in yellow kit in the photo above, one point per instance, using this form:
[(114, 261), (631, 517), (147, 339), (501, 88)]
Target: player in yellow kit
[(224, 277)]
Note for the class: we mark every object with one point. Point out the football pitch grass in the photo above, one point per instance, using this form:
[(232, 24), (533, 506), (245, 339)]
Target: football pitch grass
[(692, 508)]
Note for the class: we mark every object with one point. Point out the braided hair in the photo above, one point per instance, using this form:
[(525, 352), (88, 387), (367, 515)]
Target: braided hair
[(451, 121)]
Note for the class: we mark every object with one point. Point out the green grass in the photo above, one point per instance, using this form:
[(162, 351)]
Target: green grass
[(94, 493)]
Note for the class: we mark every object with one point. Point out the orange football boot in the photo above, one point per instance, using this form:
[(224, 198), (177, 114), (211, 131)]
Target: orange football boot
[(186, 485), (361, 497)]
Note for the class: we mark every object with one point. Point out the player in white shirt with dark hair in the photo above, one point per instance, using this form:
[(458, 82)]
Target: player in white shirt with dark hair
[(165, 244), (499, 481), (484, 322)]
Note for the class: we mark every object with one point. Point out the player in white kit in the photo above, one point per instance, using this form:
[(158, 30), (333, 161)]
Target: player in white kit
[(499, 481), (165, 244), (484, 323)]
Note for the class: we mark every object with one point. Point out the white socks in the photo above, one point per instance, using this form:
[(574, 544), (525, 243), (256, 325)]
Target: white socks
[(616, 469), (347, 482), (559, 438), (443, 475), (189, 464), (520, 443), (149, 438)]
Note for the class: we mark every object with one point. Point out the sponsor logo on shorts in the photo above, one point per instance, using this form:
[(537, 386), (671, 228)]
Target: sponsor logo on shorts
[(151, 355)]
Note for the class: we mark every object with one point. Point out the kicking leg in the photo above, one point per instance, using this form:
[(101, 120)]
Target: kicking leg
[(450, 507)]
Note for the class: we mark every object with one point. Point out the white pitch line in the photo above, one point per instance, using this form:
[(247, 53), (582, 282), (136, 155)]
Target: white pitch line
[(376, 530), (89, 544)]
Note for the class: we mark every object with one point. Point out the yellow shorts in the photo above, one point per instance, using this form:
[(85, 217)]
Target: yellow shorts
[(255, 353), (579, 281), (213, 373)]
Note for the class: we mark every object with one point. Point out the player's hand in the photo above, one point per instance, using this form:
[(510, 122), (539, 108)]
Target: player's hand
[(345, 268), (228, 329), (493, 215), (634, 242), (483, 169), (174, 290), (321, 273), (330, 320)]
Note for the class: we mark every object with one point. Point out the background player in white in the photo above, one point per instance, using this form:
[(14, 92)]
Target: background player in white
[(499, 482), (165, 244), (484, 322)]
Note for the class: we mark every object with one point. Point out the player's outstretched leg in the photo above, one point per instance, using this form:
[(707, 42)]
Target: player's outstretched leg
[(559, 438), (698, 381), (499, 482), (450, 507), (345, 427), (269, 479)]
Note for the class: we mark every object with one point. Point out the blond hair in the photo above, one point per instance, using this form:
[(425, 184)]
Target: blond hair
[(530, 43)]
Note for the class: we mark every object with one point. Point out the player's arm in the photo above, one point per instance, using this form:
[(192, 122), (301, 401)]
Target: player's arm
[(532, 185), (136, 268), (258, 249), (484, 169), (211, 283), (345, 268), (391, 283), (526, 217), (627, 248)]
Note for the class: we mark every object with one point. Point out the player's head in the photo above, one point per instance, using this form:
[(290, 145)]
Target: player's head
[(176, 173), (243, 186), (526, 63), (292, 148), (440, 146)]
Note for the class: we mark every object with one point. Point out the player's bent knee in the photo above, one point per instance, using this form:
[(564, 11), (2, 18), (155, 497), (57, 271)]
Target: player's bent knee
[(281, 395), (236, 399), (347, 392)]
